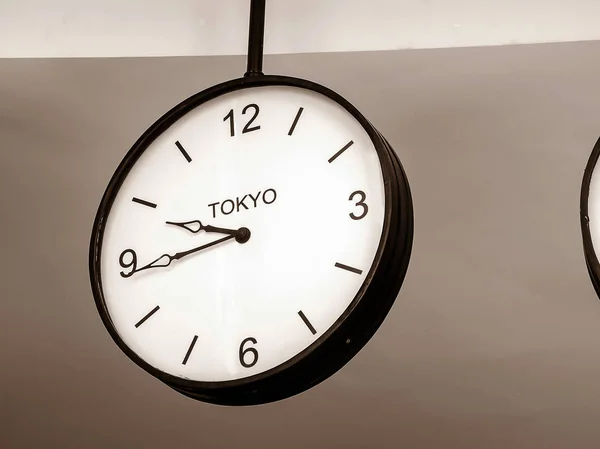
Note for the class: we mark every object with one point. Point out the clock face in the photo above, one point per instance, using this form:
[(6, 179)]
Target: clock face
[(195, 297)]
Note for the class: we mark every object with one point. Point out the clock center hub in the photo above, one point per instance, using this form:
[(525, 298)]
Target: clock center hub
[(243, 235)]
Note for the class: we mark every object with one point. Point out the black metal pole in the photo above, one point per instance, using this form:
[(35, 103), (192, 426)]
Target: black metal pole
[(256, 37)]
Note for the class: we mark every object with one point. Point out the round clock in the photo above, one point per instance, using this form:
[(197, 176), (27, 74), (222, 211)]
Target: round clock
[(590, 216), (252, 240)]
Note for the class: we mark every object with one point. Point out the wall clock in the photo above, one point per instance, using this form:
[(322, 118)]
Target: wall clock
[(253, 239), (590, 216)]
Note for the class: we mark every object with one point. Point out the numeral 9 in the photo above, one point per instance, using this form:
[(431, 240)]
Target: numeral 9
[(132, 264)]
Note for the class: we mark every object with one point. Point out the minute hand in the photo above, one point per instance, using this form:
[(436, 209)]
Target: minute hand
[(166, 259), (182, 254)]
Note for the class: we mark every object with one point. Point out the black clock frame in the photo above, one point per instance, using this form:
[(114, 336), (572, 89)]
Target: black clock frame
[(591, 258), (340, 343)]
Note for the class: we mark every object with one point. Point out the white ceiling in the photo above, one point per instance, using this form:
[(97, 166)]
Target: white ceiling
[(99, 28)]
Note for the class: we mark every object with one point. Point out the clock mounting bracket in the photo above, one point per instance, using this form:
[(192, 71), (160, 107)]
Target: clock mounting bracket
[(256, 36)]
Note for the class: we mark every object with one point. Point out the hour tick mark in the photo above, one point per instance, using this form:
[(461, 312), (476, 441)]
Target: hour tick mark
[(189, 351), (295, 121), (185, 153), (143, 202), (346, 267), (335, 156), (148, 315), (310, 326)]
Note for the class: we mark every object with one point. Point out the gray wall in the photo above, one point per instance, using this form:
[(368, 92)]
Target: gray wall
[(494, 341)]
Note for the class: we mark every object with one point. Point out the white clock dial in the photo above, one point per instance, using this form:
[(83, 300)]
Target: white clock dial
[(289, 164)]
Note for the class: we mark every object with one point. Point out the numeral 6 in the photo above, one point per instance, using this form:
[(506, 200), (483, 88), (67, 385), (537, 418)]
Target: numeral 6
[(252, 351)]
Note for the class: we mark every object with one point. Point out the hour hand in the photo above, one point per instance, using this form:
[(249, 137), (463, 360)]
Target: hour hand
[(196, 226)]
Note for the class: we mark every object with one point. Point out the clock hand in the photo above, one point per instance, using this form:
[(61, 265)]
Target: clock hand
[(196, 226), (182, 254), (242, 235)]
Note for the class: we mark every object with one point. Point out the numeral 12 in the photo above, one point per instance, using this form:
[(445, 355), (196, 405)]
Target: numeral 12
[(247, 128)]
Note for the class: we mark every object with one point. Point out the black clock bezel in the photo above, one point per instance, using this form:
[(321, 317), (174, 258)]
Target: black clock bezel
[(346, 337), (591, 258)]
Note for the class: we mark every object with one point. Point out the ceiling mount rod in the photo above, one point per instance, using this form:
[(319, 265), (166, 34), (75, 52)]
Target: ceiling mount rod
[(256, 38)]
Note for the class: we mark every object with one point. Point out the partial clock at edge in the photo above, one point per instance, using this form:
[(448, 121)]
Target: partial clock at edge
[(590, 216)]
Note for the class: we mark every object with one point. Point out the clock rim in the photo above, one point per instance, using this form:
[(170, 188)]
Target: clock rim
[(591, 258), (242, 391)]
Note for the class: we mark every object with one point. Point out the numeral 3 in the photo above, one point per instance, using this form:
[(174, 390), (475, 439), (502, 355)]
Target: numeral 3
[(361, 203)]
